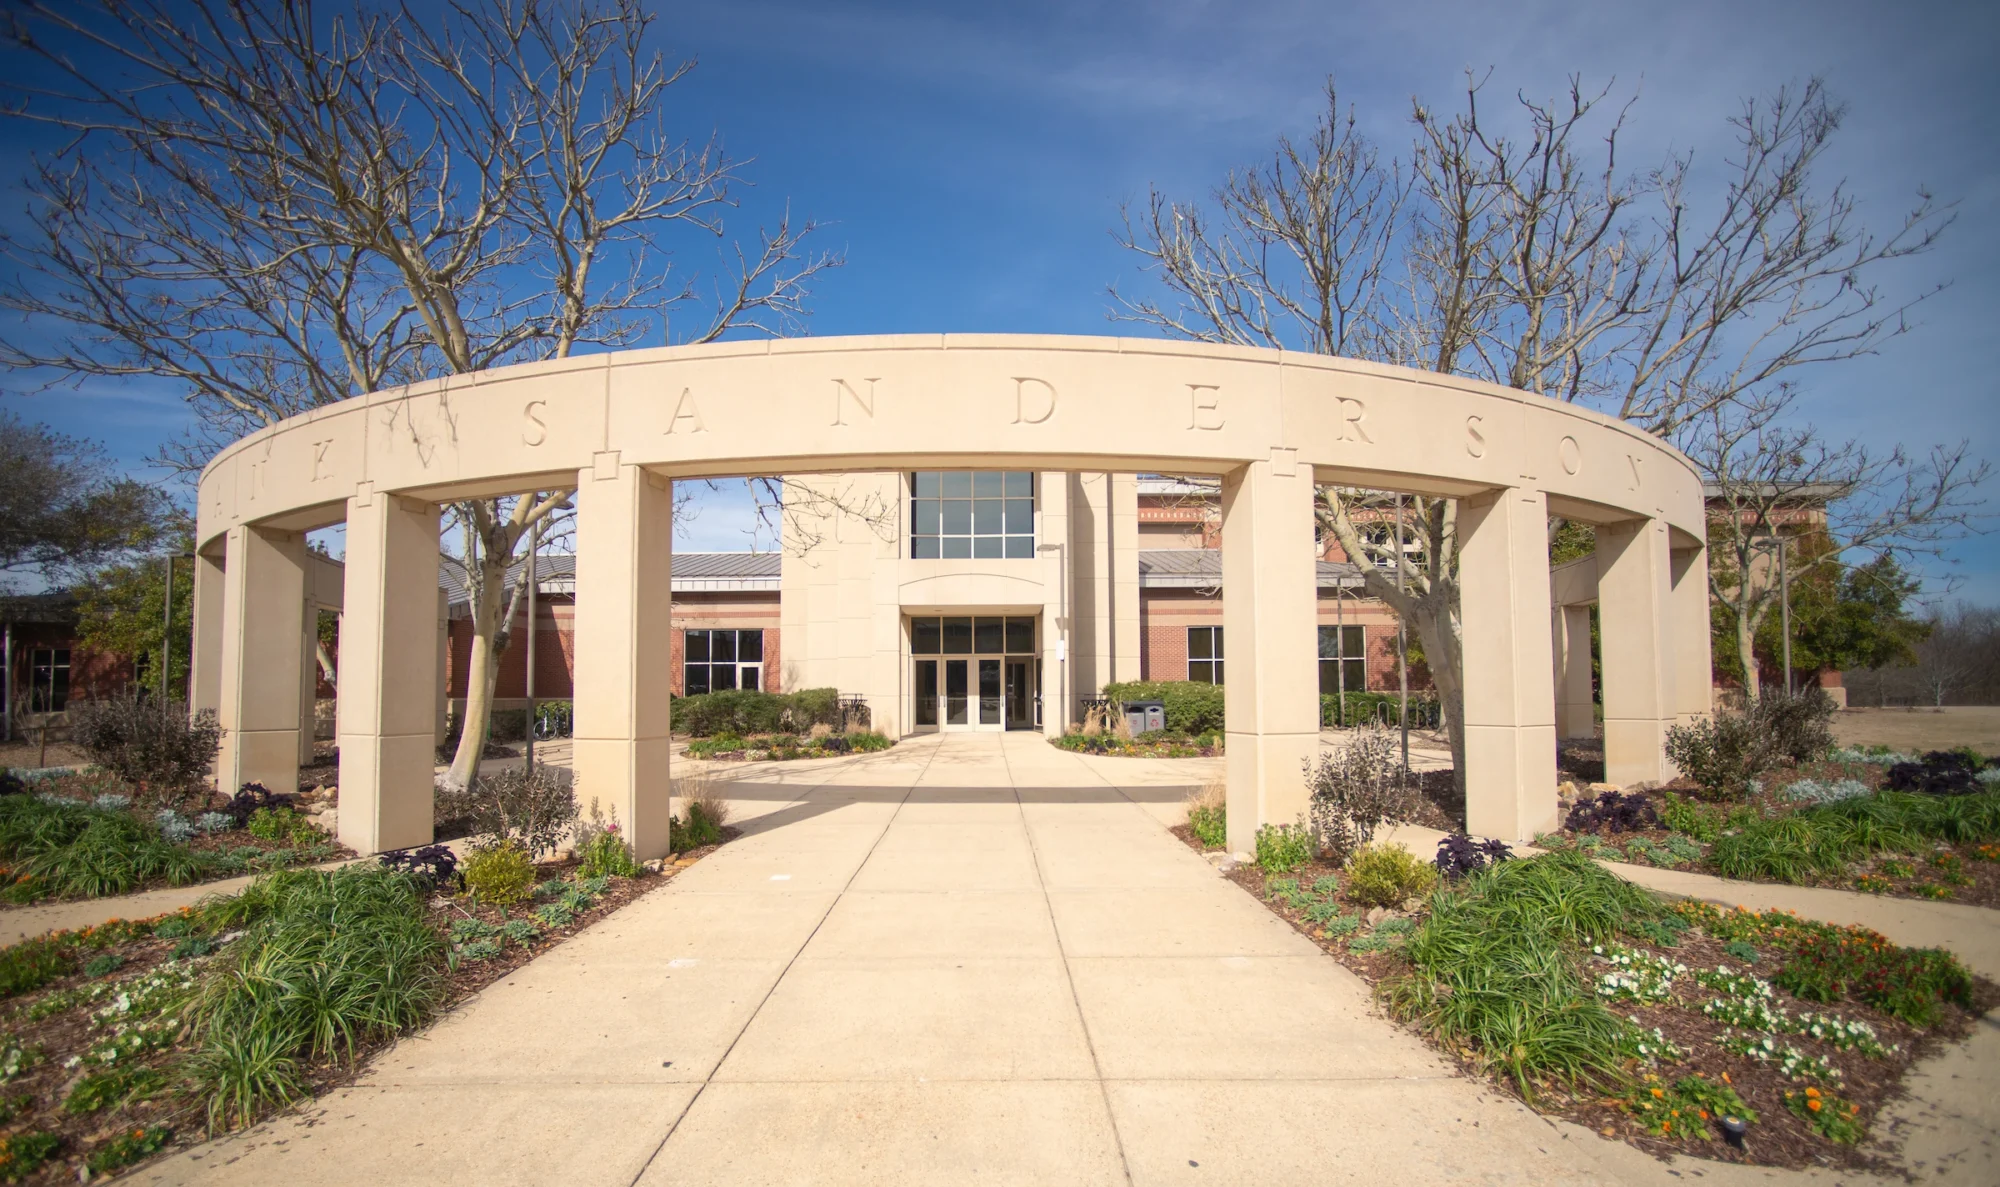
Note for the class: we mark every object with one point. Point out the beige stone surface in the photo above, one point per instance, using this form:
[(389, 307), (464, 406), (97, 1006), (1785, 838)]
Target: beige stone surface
[(1121, 1028)]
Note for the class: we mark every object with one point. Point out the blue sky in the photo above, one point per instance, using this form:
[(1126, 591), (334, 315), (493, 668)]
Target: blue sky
[(971, 159)]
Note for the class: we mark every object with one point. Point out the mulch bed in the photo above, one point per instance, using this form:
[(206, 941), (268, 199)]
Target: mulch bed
[(33, 1100), (1778, 1138)]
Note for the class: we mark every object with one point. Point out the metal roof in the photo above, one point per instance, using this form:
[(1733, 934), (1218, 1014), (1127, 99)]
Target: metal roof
[(694, 572)]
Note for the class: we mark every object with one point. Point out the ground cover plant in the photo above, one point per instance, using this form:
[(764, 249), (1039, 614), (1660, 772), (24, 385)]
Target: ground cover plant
[(1865, 820), (120, 1042), (86, 835), (1166, 743), (1649, 1020), (818, 742)]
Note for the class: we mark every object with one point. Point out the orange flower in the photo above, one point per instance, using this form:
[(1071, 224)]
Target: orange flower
[(1657, 1094), (1812, 1092), (1726, 1079), (1704, 1114), (1813, 1105)]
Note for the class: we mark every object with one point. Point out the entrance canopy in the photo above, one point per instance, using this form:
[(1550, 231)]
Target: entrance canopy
[(620, 427)]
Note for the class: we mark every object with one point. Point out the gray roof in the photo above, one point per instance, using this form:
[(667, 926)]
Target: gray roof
[(1201, 568), (694, 572)]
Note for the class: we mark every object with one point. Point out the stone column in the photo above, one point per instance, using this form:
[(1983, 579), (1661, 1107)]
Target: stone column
[(1694, 679), (441, 726), (1635, 635), (624, 545), (263, 587), (1510, 728), (1054, 548), (205, 689), (308, 680), (1578, 716), (1270, 662), (1124, 577), (388, 673)]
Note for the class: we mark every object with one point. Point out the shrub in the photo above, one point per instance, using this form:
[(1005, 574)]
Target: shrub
[(1910, 983), (32, 964), (1459, 855), (1191, 706), (1282, 848), (68, 848), (601, 849), (251, 797), (1376, 708), (499, 873), (1796, 725), (1939, 772), (743, 711), (1684, 1109), (703, 814), (1208, 815), (1722, 753), (1388, 876), (327, 959), (101, 1090), (284, 825), (1613, 812), (433, 867), (1495, 967), (1356, 789), (127, 1148), (147, 742), (21, 1154), (103, 965), (535, 808)]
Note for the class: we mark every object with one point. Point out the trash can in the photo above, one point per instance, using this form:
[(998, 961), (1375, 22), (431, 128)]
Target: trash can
[(1143, 717)]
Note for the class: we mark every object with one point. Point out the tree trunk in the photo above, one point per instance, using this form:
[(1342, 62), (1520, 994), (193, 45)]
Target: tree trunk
[(1746, 654), (1434, 623), (489, 642)]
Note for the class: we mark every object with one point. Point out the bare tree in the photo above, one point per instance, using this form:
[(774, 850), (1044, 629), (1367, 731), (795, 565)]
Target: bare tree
[(1520, 257), (282, 206)]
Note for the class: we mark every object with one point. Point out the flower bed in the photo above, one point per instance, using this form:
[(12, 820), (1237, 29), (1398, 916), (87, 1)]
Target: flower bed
[(1841, 823), (1648, 1021), (1157, 744), (123, 1041), (786, 747), (85, 835)]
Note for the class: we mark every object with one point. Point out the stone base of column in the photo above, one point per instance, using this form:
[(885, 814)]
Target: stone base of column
[(642, 800), (1634, 752), (372, 822), (1266, 782), (1510, 788)]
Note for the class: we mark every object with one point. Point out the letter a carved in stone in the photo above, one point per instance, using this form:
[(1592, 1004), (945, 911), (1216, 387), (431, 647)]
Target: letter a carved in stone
[(686, 410)]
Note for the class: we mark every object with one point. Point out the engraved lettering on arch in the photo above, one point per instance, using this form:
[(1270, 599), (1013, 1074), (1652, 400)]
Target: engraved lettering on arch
[(1570, 454), (1633, 458), (320, 450), (686, 410), (844, 394), (1475, 441), (536, 430), (1034, 400), (1352, 413), (1205, 411)]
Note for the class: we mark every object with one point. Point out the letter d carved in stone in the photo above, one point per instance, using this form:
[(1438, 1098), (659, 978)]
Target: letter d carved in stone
[(1034, 400)]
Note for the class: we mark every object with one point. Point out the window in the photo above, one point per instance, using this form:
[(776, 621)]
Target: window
[(48, 679), (972, 514), (718, 661), (1205, 654), (1342, 645)]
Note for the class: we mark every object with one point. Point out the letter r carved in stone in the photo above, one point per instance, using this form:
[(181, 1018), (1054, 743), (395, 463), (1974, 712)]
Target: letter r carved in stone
[(1205, 412), (1352, 413)]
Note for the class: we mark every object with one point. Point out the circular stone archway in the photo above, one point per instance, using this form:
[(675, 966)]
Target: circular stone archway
[(622, 426)]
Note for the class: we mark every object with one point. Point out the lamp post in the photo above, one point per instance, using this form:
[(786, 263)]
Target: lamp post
[(534, 578), (1402, 642), (1782, 544), (167, 633)]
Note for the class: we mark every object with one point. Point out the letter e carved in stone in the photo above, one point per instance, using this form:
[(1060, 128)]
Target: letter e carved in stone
[(685, 409), (1033, 405), (1205, 412)]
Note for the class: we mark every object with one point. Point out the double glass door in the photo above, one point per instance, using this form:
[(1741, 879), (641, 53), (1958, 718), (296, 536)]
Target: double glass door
[(974, 691)]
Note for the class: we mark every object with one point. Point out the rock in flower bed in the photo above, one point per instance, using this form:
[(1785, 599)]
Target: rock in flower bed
[(1852, 822), (787, 747), (127, 1040), (87, 835), (1648, 1020)]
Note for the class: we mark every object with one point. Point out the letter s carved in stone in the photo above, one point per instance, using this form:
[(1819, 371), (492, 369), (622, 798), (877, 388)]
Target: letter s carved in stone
[(535, 431), (1475, 441)]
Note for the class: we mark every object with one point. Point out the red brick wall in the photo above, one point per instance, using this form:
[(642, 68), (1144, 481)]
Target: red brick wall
[(1166, 615), (555, 657)]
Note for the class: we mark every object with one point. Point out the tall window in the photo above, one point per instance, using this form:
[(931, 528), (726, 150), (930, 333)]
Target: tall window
[(972, 514), (1205, 654), (1340, 645), (48, 679), (717, 661)]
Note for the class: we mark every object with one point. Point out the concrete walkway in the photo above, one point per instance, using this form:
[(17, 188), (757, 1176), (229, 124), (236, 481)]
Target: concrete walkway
[(966, 958)]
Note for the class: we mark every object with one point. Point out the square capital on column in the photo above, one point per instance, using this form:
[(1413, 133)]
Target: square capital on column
[(604, 465)]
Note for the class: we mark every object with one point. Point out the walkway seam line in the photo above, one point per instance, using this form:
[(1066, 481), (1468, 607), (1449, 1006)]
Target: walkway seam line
[(778, 980), (1069, 978)]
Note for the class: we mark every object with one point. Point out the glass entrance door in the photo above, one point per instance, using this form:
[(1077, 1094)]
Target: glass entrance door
[(954, 692), (974, 672), (989, 692), (1020, 694)]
